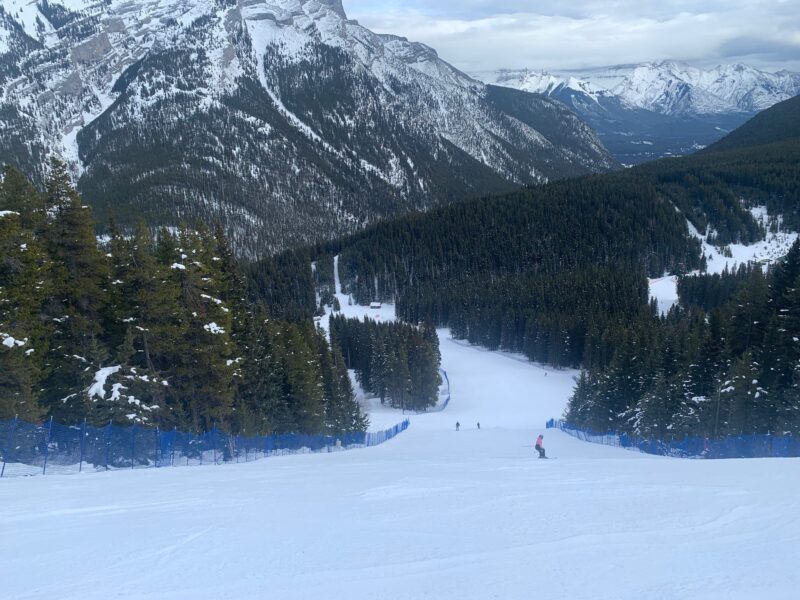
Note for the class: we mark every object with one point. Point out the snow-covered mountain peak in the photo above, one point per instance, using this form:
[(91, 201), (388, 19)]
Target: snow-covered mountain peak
[(332, 5), (541, 82), (296, 23), (663, 108), (666, 87)]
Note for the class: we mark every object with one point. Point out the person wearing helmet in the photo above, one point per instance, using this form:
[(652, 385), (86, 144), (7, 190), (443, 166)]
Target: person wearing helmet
[(540, 446)]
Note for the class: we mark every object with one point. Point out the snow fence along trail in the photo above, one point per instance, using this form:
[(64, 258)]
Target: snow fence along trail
[(31, 449), (740, 446), (467, 515)]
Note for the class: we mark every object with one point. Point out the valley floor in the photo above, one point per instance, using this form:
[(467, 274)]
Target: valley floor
[(434, 513)]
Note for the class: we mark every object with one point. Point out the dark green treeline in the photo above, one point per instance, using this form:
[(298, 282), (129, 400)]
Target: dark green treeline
[(726, 361), (559, 274), (545, 272), (555, 272), (397, 362), (160, 330)]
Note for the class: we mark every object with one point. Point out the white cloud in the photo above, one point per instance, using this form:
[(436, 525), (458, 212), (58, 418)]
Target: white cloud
[(478, 35)]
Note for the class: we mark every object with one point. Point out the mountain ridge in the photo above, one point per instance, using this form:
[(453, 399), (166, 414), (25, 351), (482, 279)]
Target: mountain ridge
[(778, 123), (666, 87), (283, 119), (651, 110)]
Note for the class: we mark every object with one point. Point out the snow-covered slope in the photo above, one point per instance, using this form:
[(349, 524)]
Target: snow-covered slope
[(659, 109), (281, 117), (766, 253), (433, 513)]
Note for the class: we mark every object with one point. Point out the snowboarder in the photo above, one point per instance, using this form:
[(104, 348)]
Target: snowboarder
[(540, 446), (457, 425)]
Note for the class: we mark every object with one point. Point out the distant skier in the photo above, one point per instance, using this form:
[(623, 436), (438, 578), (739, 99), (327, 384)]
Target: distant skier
[(540, 446), (479, 424), (458, 425)]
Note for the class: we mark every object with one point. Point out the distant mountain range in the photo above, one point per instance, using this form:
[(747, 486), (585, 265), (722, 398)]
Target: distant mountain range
[(281, 118), (657, 109)]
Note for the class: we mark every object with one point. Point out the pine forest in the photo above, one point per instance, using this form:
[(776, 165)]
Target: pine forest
[(154, 329)]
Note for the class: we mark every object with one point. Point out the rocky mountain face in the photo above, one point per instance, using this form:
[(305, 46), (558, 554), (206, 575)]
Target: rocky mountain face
[(282, 119), (646, 111)]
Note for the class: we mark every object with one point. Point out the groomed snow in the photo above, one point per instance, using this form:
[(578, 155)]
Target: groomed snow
[(434, 513)]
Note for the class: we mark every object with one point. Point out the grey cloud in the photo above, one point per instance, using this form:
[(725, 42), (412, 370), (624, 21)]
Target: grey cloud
[(771, 50), (578, 9), (479, 35)]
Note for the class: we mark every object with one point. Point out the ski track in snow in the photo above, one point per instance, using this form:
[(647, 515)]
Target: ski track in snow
[(434, 513)]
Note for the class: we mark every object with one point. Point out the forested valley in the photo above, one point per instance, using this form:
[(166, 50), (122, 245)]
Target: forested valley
[(559, 274), (167, 327)]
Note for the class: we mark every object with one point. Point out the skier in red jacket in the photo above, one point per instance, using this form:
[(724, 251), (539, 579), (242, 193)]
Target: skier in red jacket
[(540, 446)]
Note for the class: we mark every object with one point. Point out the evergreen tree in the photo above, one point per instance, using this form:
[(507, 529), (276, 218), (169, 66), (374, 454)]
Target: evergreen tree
[(657, 409), (739, 395), (205, 352), (60, 192), (155, 332), (394, 361), (302, 382), (398, 377), (423, 362), (77, 302), (17, 194), (345, 415), (24, 271), (342, 413), (144, 321), (263, 393), (581, 408)]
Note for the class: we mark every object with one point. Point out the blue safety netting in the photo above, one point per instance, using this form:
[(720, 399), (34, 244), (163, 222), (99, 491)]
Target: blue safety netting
[(740, 446), (38, 449)]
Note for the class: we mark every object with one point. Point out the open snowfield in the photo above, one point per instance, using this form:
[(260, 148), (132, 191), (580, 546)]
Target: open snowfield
[(434, 513)]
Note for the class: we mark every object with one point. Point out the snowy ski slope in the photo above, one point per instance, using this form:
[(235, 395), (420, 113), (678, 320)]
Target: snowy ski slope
[(434, 513)]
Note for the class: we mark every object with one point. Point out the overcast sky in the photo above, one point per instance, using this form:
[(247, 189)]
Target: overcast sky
[(477, 35)]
